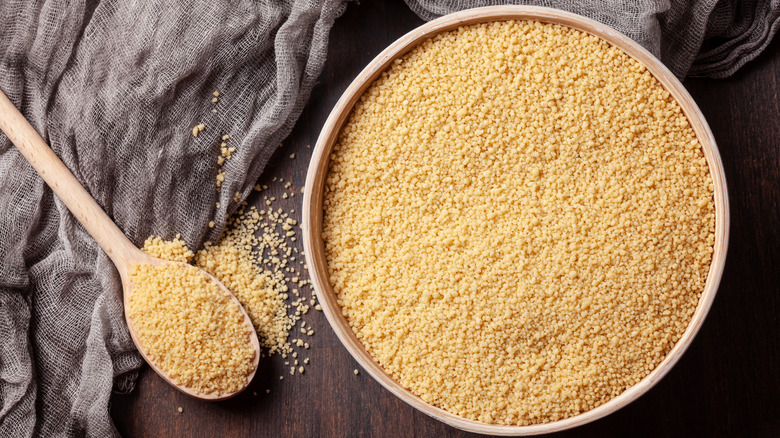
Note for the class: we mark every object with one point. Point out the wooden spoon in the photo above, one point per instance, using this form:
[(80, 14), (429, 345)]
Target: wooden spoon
[(97, 223)]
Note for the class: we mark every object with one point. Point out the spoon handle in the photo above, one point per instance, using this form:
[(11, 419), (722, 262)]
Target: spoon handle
[(62, 182)]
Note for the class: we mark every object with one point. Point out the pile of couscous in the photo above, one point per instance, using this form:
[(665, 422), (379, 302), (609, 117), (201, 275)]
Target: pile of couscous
[(518, 221), (190, 328), (237, 261), (257, 260)]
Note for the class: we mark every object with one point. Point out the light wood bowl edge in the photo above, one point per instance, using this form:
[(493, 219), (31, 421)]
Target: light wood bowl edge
[(318, 168)]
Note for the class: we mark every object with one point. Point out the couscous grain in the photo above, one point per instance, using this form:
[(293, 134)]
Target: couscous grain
[(251, 259), (518, 221), (260, 291), (189, 328)]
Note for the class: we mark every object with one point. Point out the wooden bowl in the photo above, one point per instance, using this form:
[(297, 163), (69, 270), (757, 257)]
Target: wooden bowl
[(318, 169)]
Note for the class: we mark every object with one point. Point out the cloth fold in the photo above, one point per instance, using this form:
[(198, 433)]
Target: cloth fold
[(115, 88)]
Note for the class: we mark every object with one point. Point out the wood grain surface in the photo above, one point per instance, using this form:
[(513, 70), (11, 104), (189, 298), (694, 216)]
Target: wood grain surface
[(726, 384)]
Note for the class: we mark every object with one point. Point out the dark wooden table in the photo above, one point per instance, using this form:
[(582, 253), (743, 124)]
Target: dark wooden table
[(727, 384)]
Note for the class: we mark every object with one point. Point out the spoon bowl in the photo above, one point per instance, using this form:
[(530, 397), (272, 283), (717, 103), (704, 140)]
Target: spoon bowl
[(128, 287)]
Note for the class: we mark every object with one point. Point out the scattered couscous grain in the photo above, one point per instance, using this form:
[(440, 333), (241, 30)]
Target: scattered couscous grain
[(198, 129), (260, 291), (220, 178), (518, 221), (356, 372), (254, 239), (189, 328)]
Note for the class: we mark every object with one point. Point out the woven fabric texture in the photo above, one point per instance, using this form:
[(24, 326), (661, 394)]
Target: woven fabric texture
[(115, 88)]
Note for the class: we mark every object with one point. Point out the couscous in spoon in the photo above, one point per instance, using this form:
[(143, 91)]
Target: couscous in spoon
[(119, 248)]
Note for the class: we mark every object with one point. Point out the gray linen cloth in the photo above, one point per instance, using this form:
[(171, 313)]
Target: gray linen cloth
[(115, 87)]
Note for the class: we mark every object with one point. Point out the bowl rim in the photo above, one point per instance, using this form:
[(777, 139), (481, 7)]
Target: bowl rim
[(312, 208)]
